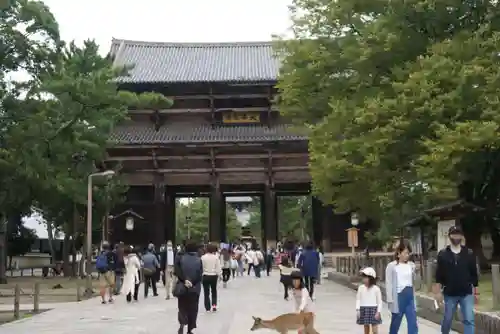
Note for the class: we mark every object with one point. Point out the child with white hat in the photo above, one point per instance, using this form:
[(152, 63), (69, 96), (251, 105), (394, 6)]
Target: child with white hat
[(369, 302)]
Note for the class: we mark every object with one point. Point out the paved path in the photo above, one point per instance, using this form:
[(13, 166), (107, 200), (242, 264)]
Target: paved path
[(243, 298)]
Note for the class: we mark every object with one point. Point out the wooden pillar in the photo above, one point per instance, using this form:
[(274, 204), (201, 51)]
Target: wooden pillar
[(214, 228), (170, 223), (270, 221), (317, 219), (158, 235)]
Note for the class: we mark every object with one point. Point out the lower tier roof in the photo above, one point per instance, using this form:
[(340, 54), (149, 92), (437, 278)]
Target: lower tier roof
[(143, 134)]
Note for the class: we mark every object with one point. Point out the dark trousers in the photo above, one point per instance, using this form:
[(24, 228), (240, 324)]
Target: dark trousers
[(233, 272), (187, 305), (256, 269), (226, 274), (309, 283), (285, 287), (269, 266), (250, 266), (150, 280), (136, 294), (210, 290)]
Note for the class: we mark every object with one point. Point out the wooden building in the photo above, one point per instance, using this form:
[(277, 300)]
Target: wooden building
[(222, 135)]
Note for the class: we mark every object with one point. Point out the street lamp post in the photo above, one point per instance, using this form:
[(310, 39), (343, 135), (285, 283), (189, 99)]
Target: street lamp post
[(353, 233), (88, 264)]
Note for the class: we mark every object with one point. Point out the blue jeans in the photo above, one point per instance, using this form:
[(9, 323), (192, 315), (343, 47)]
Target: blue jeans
[(406, 305), (467, 309)]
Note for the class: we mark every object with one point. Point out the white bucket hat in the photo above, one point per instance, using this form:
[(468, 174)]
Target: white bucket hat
[(369, 271)]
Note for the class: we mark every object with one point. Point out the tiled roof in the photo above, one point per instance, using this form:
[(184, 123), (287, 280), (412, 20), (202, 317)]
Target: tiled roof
[(143, 134), (196, 62)]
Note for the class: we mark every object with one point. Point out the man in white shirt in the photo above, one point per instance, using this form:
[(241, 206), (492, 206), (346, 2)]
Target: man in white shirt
[(167, 266)]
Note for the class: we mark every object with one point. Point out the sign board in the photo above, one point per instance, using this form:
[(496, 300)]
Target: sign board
[(442, 233), (416, 240), (352, 237), (240, 117)]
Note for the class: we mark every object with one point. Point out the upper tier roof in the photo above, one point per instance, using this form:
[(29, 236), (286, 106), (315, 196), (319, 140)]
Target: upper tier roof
[(196, 62)]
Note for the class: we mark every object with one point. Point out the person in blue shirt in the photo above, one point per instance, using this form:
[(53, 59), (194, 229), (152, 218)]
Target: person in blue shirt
[(308, 263)]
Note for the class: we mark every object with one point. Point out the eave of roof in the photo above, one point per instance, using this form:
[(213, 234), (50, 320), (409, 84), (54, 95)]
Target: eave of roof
[(156, 62), (146, 134)]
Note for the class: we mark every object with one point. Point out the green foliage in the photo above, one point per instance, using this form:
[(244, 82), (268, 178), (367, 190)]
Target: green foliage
[(19, 238), (198, 210), (54, 126), (294, 218), (401, 99)]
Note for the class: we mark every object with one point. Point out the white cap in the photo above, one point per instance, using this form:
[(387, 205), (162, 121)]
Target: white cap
[(369, 271)]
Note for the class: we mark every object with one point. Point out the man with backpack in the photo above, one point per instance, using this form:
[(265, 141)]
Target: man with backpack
[(105, 265)]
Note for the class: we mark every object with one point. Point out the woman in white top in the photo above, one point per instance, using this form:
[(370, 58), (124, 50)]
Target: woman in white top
[(369, 302), (400, 292), (131, 279), (211, 272)]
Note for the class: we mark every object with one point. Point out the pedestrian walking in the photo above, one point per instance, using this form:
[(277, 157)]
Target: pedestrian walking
[(308, 263), (105, 265), (286, 270), (369, 302), (150, 266), (189, 272), (211, 272), (457, 281), (167, 267), (234, 266), (400, 276), (225, 259), (131, 279)]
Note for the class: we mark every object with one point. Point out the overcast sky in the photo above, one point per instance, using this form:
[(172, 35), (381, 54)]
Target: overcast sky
[(167, 21), (170, 20)]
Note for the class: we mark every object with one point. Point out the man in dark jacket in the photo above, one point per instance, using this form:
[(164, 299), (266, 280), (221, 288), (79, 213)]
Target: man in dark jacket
[(189, 271), (308, 263), (456, 277)]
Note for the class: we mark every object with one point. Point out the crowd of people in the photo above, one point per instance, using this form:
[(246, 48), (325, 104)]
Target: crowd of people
[(188, 270)]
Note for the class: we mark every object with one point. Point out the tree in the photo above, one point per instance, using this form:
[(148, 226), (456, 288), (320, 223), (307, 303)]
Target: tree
[(398, 98), (192, 218), (29, 38), (57, 123), (294, 218)]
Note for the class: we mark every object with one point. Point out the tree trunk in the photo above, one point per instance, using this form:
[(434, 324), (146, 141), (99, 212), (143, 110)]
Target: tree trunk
[(3, 250), (495, 238), (66, 262), (50, 237)]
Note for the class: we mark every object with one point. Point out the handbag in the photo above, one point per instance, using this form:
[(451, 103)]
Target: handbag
[(179, 288)]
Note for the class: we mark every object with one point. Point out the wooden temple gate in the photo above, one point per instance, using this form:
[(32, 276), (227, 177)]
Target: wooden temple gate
[(222, 135)]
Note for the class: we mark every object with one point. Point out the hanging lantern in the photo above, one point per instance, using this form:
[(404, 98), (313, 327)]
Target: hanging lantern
[(129, 223)]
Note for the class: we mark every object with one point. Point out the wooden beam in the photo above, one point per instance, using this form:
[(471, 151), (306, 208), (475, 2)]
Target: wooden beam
[(219, 96), (208, 157), (224, 170), (202, 145)]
